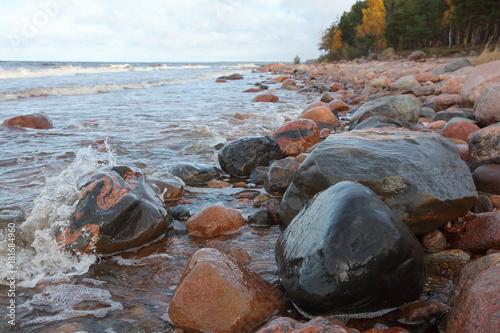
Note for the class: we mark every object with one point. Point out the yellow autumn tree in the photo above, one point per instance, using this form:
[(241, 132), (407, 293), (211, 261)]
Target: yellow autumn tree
[(373, 23), (337, 40)]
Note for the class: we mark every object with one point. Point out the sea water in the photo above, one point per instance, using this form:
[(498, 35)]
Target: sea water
[(145, 115)]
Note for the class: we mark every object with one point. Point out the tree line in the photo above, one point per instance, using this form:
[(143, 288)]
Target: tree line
[(373, 25)]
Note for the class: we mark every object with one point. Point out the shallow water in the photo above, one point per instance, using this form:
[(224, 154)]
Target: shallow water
[(151, 116)]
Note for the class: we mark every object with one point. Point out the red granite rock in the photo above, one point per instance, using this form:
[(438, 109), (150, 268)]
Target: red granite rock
[(35, 120), (487, 178), (436, 125), (315, 325), (495, 200), (220, 81), (427, 76), (280, 79), (252, 90), (388, 330), (482, 232), (451, 85), (459, 130), (484, 146), (170, 188), (446, 100), (235, 76), (215, 220), (269, 98), (418, 311), (434, 241), (487, 106), (477, 308), (214, 183), (336, 86), (481, 77), (303, 132), (320, 115), (463, 150), (338, 105), (314, 105), (217, 294)]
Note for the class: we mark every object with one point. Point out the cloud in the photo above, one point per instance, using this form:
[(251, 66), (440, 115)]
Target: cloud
[(153, 30)]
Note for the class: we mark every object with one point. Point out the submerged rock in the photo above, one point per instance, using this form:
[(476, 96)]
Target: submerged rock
[(35, 120), (117, 210), (194, 174), (215, 220), (346, 252), (241, 156), (420, 176), (318, 324), (218, 294)]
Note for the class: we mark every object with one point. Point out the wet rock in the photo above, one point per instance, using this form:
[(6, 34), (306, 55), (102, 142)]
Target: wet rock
[(314, 105), (417, 56), (434, 241), (280, 79), (387, 330), (269, 98), (220, 81), (194, 174), (303, 132), (476, 307), (459, 130), (263, 218), (448, 115), (234, 251), (235, 76), (481, 77), (487, 106), (280, 175), (252, 90), (320, 115), (484, 146), (214, 183), (215, 220), (258, 175), (318, 324), (35, 120), (451, 85), (482, 232), (336, 86), (299, 159), (495, 201), (334, 250), (487, 178), (419, 311), (427, 112), (169, 188), (427, 77), (395, 165), (448, 256), (180, 212), (405, 82), (469, 271), (457, 64), (261, 199), (288, 83), (392, 106), (236, 301), (241, 156), (326, 97), (117, 210), (483, 204)]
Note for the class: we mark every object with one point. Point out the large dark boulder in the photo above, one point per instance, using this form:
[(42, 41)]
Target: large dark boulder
[(280, 175), (194, 174), (420, 176), (346, 252), (241, 156), (117, 210)]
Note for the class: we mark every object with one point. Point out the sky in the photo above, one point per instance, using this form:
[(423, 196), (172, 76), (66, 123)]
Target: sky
[(165, 31)]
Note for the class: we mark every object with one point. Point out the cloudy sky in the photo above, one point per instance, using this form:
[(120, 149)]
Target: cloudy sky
[(164, 30)]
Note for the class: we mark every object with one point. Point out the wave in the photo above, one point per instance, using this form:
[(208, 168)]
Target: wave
[(67, 70), (103, 88)]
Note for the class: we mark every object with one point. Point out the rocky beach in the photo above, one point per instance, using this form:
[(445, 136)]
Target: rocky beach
[(374, 208)]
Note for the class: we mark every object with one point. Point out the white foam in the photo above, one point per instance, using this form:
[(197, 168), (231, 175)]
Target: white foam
[(141, 261), (38, 257), (64, 297), (69, 70)]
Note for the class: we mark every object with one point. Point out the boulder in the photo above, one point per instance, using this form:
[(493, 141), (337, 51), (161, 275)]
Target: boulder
[(451, 85), (338, 105), (194, 174), (482, 232), (241, 156), (459, 130), (117, 210), (280, 175), (404, 168), (346, 252), (392, 106), (217, 294), (326, 97), (487, 106), (315, 325), (417, 56), (457, 64), (487, 178), (484, 146), (35, 120), (288, 83), (386, 54), (481, 77), (235, 76), (214, 221), (258, 175), (303, 132), (169, 188), (476, 307), (405, 82), (320, 115), (270, 98)]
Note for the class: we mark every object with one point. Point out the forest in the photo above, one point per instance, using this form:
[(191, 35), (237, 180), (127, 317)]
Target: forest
[(373, 25)]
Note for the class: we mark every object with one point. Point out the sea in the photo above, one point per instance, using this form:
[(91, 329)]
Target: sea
[(145, 115)]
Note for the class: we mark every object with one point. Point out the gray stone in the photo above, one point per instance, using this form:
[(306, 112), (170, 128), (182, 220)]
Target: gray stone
[(194, 174), (457, 64), (401, 105)]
